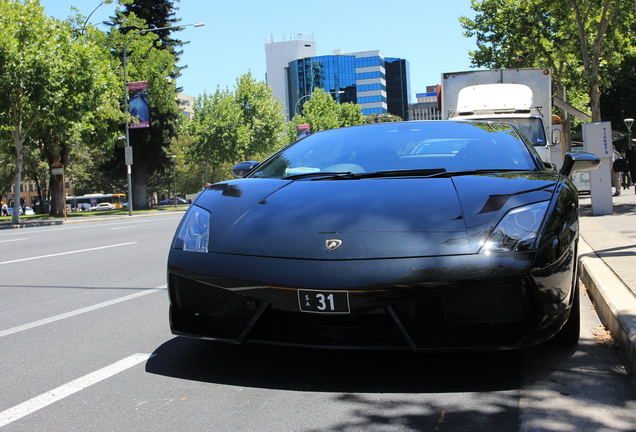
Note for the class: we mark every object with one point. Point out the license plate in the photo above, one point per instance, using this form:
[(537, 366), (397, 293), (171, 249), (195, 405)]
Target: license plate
[(336, 302)]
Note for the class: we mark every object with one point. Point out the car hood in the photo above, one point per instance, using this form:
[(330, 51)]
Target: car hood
[(367, 218)]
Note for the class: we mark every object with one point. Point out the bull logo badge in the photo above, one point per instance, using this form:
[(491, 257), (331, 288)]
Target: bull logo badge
[(333, 244)]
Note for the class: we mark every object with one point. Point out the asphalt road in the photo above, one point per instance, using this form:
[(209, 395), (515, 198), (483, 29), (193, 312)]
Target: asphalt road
[(85, 346)]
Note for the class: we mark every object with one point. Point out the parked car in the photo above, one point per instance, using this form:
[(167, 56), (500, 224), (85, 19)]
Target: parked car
[(581, 180), (437, 235), (27, 211), (170, 201), (104, 206)]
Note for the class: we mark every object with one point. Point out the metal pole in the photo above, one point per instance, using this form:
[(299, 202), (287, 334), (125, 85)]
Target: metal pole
[(309, 95), (126, 110), (174, 179), (629, 122), (128, 167), (298, 102)]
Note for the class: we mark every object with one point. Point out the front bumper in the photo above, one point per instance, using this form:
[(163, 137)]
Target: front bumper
[(422, 304)]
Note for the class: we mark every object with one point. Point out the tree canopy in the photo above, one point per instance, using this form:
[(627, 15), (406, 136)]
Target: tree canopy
[(574, 38), (234, 125), (151, 56), (52, 83), (322, 112)]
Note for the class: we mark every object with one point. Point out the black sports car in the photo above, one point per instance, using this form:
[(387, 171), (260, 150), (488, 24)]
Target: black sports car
[(424, 235)]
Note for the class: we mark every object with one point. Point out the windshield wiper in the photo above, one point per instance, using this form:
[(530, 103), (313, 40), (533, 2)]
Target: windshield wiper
[(401, 173), (477, 171), (318, 174), (427, 173), (371, 174)]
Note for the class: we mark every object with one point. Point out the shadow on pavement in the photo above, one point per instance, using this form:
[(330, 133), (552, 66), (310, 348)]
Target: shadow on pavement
[(298, 369)]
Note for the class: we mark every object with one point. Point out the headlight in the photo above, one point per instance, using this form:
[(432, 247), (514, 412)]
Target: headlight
[(193, 234), (518, 229)]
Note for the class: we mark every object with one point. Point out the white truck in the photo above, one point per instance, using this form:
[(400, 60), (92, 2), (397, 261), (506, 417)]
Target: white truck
[(522, 97)]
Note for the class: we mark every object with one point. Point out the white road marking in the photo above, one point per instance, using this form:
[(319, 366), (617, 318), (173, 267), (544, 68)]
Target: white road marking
[(78, 311), (52, 396), (125, 227), (66, 253), (13, 240)]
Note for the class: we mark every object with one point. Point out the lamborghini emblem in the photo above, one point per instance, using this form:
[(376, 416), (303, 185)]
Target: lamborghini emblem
[(333, 244)]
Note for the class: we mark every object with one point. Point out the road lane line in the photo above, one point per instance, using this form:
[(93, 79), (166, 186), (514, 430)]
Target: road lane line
[(46, 399), (13, 240), (66, 253), (28, 326), (124, 227)]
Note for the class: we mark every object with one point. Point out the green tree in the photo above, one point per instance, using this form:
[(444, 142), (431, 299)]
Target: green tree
[(47, 79), (28, 68), (383, 118), (524, 34), (90, 108), (151, 57), (600, 42), (190, 174), (261, 118), (571, 37), (214, 131), (617, 100), (231, 126), (322, 112)]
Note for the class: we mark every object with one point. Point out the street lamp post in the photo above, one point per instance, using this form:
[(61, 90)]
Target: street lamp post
[(174, 179), (128, 148), (629, 122), (310, 95)]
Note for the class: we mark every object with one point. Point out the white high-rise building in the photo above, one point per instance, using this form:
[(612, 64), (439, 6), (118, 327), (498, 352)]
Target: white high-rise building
[(278, 55), (378, 84)]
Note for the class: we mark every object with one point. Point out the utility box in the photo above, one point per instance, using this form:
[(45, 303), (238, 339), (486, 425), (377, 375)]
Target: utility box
[(597, 138)]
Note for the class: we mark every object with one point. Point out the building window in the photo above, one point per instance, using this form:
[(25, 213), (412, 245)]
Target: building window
[(369, 61), (370, 87), (370, 75), (371, 99), (367, 111)]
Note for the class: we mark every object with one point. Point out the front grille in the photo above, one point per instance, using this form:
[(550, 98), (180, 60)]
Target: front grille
[(369, 331), (501, 314), (480, 315), (210, 311)]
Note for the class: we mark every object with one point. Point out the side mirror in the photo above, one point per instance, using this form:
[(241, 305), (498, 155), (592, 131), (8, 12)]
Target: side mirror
[(556, 136), (579, 162), (240, 170)]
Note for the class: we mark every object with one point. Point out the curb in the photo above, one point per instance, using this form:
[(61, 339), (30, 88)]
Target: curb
[(92, 218), (614, 303), (29, 224)]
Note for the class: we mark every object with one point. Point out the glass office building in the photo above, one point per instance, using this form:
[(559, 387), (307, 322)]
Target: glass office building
[(377, 83)]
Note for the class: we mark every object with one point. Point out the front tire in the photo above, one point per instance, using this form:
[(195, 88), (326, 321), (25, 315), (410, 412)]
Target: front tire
[(569, 333)]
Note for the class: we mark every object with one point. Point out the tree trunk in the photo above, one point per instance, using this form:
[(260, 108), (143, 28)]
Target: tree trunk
[(58, 199), (16, 190), (19, 141), (56, 153), (139, 186), (595, 101)]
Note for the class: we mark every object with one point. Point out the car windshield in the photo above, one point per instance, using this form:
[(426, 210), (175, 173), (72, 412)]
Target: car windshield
[(426, 148), (531, 127)]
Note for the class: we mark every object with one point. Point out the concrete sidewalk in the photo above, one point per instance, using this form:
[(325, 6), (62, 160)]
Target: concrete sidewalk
[(607, 257)]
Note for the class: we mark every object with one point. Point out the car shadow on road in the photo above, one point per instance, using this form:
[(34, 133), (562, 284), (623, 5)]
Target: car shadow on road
[(299, 369)]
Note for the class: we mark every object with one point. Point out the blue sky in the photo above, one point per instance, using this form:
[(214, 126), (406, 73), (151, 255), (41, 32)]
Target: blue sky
[(427, 33)]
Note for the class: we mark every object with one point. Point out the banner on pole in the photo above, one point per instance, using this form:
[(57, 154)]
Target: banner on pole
[(138, 96)]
